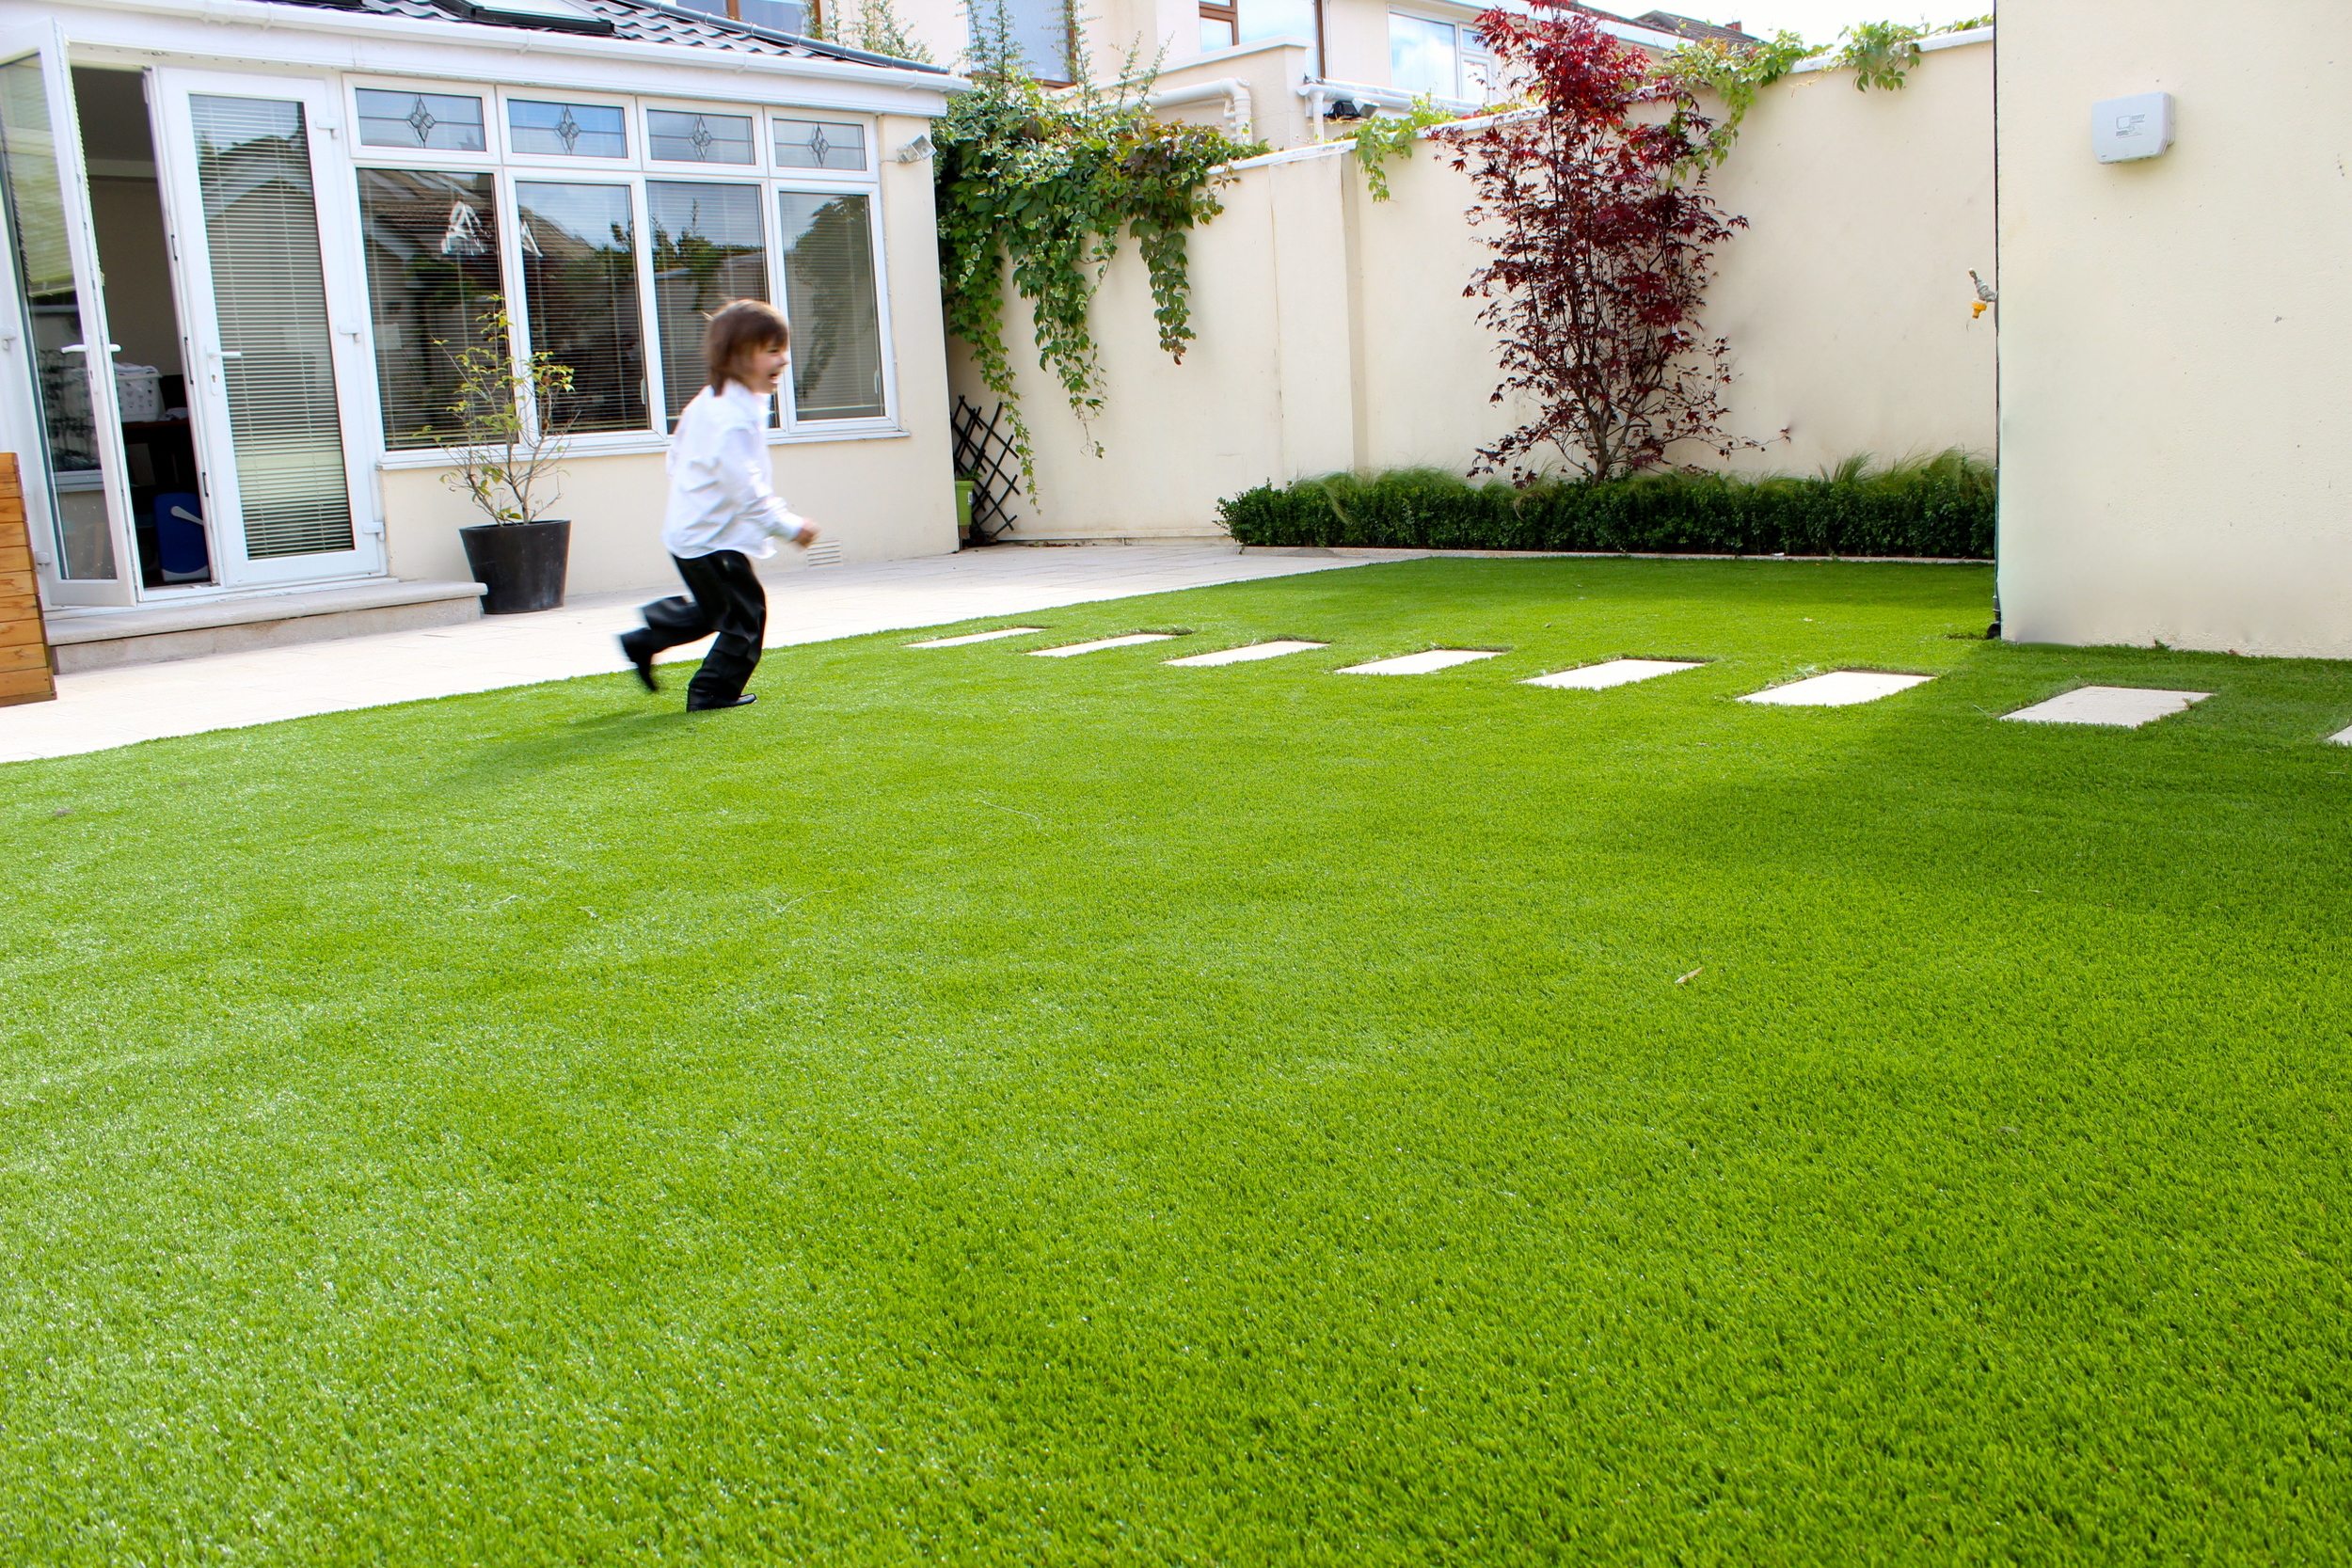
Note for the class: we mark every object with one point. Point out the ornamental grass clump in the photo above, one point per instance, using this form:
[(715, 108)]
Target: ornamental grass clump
[(1940, 507)]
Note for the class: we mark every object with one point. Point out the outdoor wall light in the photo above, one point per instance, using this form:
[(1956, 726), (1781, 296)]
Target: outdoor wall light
[(2122, 129), (1343, 108)]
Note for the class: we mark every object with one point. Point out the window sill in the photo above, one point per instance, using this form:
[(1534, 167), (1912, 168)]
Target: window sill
[(645, 445)]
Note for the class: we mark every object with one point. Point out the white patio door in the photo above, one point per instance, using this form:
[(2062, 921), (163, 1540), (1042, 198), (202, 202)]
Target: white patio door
[(57, 404), (279, 385)]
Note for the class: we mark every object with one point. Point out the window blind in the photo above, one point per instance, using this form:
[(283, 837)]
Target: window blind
[(829, 298), (432, 247), (580, 284), (260, 229), (708, 249)]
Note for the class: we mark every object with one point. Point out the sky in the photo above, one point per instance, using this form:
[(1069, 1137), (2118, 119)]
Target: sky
[(1818, 20)]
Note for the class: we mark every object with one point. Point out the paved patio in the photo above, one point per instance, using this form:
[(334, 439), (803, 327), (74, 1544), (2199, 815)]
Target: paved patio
[(101, 708)]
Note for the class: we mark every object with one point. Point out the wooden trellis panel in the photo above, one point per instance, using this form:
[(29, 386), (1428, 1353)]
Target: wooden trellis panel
[(984, 455), (24, 675)]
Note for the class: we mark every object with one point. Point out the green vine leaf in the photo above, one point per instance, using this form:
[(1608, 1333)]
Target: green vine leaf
[(1037, 187)]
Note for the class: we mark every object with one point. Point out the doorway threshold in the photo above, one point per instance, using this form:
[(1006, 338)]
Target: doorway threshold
[(92, 639)]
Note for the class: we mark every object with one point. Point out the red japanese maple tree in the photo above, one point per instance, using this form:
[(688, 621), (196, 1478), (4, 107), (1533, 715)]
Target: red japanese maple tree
[(1603, 234)]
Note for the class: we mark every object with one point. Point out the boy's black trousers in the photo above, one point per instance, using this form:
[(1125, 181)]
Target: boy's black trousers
[(726, 599)]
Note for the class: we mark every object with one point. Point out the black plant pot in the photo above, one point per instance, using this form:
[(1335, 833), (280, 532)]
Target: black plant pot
[(520, 563)]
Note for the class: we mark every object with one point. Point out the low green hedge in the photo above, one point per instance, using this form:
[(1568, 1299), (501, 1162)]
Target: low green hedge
[(1940, 506)]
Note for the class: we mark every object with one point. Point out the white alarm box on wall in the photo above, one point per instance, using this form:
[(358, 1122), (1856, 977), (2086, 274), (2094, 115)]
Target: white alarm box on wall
[(2139, 126)]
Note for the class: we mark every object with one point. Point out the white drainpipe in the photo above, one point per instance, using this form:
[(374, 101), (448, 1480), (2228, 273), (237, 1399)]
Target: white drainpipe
[(1233, 89)]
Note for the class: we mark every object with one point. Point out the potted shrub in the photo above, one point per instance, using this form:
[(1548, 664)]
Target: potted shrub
[(513, 425)]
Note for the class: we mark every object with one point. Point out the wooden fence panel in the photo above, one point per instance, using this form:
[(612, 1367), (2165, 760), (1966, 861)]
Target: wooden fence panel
[(25, 672)]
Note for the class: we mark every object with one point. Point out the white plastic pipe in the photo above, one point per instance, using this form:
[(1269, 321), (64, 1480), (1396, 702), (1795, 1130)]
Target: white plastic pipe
[(1239, 108)]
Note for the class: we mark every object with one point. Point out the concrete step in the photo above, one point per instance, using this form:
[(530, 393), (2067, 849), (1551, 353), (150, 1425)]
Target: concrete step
[(151, 634)]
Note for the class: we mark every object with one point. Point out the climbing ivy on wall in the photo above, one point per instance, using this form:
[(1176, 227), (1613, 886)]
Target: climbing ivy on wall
[(1043, 183)]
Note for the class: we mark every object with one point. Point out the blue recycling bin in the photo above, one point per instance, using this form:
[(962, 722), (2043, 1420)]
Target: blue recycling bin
[(179, 547)]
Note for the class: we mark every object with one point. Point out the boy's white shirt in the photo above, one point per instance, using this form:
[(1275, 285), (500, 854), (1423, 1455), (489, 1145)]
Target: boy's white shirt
[(722, 492)]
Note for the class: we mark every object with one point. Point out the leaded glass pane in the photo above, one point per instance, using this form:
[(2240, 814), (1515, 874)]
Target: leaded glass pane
[(447, 122), (820, 144), (568, 130), (687, 137)]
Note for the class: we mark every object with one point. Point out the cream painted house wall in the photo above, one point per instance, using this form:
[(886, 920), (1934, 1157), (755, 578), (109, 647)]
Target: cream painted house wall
[(2176, 416), (879, 497), (1334, 334)]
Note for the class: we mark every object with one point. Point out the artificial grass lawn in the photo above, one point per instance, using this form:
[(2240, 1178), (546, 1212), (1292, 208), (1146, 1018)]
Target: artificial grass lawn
[(991, 1109)]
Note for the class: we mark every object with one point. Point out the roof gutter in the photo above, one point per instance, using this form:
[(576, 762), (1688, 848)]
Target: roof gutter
[(313, 19)]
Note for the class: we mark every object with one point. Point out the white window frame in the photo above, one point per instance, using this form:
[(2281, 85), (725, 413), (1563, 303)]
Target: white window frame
[(869, 175), (365, 152), (632, 127), (867, 185), (763, 156), (508, 168)]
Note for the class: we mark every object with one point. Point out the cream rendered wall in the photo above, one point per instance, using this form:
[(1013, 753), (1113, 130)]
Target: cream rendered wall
[(882, 498), (2176, 417), (1334, 334)]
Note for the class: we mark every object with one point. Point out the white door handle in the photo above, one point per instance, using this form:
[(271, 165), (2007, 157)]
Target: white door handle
[(84, 348), (228, 354)]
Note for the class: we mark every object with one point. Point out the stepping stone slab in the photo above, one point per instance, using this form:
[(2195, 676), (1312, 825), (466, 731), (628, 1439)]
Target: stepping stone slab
[(1838, 689), (1096, 646), (1617, 671), (2126, 706), (1245, 656), (2342, 740), (1421, 664), (976, 637)]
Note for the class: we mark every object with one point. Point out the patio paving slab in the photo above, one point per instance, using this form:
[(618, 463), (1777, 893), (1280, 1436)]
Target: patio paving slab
[(2123, 707), (1617, 671), (971, 636), (1838, 689), (1249, 654), (1071, 650), (99, 708), (1421, 664), (2341, 739)]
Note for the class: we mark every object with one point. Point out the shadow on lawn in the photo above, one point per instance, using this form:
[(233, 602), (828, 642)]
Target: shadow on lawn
[(586, 740)]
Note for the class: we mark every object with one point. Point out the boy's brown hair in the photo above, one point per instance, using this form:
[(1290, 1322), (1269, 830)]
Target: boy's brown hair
[(737, 328)]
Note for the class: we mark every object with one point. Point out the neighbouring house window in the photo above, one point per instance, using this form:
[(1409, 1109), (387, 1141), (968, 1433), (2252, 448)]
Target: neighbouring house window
[(1438, 58), (1219, 27), (820, 144), (447, 122), (568, 130), (831, 301), (1283, 19), (1040, 35), (432, 244), (685, 137), (579, 286), (707, 248), (783, 16)]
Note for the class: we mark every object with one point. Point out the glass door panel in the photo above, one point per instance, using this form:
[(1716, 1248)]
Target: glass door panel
[(61, 400), (272, 316)]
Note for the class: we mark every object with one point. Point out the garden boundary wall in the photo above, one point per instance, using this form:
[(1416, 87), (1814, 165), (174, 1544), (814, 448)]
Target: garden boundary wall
[(1334, 334), (2176, 420)]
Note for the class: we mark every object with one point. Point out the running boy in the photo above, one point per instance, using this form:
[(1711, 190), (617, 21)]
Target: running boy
[(724, 511)]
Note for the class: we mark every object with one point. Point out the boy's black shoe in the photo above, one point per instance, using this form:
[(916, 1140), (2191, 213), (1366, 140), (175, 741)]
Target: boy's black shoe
[(642, 662), (694, 705)]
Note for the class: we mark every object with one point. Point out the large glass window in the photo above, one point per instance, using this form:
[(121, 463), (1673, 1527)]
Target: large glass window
[(1422, 57), (432, 270), (708, 249), (568, 130), (829, 300), (447, 122), (1039, 33), (580, 284)]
